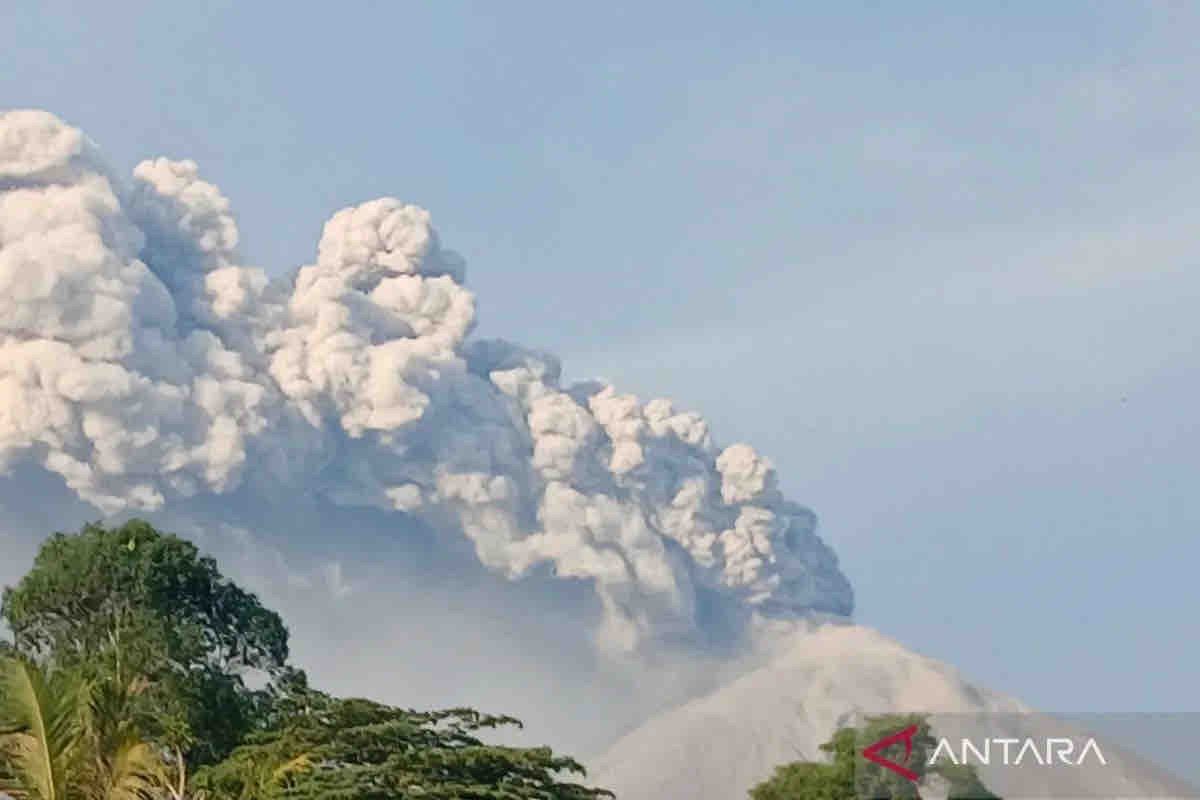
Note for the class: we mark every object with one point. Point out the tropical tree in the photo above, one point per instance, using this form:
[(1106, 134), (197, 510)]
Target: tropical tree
[(127, 680), (847, 775), (62, 739), (40, 731), (807, 780), (130, 603), (321, 747), (122, 765)]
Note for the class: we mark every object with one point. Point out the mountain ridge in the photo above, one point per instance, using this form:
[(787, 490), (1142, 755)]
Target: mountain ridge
[(717, 746)]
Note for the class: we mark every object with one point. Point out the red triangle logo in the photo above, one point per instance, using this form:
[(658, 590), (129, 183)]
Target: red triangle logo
[(906, 736)]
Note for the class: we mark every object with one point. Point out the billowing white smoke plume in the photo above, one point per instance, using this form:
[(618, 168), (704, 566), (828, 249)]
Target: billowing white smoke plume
[(143, 363)]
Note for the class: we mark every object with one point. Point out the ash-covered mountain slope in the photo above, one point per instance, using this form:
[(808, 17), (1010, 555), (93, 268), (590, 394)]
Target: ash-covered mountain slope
[(718, 746)]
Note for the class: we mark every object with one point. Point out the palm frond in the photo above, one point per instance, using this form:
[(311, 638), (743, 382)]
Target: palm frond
[(133, 770), (40, 729)]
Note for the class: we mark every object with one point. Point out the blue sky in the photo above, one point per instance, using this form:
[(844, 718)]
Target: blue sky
[(937, 262)]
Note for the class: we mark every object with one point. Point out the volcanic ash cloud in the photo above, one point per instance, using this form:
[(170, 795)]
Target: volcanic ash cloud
[(142, 362)]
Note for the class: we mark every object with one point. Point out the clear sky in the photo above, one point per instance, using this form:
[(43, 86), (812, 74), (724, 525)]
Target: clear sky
[(936, 260)]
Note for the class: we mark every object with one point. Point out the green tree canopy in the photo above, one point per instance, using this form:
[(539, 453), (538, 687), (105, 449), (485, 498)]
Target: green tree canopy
[(849, 776), (317, 746), (64, 739), (130, 602), (129, 665), (801, 779)]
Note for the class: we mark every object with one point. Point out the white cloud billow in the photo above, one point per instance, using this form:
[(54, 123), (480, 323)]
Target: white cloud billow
[(143, 363)]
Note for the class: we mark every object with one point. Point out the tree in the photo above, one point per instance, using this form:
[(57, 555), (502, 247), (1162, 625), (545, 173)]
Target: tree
[(126, 680), (322, 747), (125, 603), (874, 781), (39, 731), (807, 780), (851, 777), (62, 739)]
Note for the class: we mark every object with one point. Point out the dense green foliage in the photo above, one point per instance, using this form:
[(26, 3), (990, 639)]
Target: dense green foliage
[(63, 738), (127, 680), (802, 779), (849, 776), (129, 602), (322, 747)]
